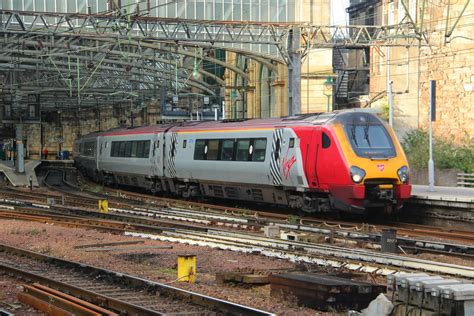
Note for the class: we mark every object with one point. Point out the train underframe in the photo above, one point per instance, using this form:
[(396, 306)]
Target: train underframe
[(352, 199)]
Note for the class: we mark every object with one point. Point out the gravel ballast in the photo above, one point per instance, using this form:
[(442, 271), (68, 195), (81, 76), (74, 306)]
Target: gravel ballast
[(154, 264)]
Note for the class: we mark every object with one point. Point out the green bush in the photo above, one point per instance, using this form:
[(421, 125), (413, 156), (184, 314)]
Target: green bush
[(385, 111), (446, 154)]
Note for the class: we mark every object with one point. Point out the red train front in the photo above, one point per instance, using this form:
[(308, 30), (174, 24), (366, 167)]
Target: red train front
[(359, 163)]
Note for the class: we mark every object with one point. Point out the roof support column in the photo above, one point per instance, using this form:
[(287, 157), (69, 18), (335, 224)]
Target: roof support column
[(20, 161), (294, 71)]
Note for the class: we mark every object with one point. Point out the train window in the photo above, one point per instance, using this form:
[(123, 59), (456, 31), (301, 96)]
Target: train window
[(326, 141), (227, 151), (128, 149), (89, 149), (136, 149), (259, 149), (114, 149), (292, 142), (142, 149), (184, 143), (199, 150), (146, 149), (212, 149), (121, 152), (243, 146), (370, 140)]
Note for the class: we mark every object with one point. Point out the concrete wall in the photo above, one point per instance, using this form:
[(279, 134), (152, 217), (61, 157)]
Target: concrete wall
[(443, 177)]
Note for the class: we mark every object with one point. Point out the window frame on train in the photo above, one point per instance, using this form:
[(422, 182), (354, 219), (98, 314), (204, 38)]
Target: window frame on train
[(251, 150), (130, 149)]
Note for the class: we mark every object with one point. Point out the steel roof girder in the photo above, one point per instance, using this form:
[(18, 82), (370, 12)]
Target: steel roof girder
[(113, 62)]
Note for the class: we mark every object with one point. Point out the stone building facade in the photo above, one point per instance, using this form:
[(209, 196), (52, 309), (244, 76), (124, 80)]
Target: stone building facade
[(447, 57)]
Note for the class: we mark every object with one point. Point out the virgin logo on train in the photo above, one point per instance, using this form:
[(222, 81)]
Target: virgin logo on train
[(381, 167), (287, 164)]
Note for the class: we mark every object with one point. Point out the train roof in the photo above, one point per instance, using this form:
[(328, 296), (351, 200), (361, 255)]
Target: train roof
[(297, 120)]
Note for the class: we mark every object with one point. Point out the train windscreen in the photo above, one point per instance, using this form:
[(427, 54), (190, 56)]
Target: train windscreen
[(369, 138)]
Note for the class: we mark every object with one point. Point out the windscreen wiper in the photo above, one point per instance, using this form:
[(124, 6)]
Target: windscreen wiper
[(353, 132), (366, 131)]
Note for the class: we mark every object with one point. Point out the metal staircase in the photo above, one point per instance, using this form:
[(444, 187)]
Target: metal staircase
[(342, 75)]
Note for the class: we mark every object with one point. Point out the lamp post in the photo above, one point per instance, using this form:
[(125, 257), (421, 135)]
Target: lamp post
[(328, 89)]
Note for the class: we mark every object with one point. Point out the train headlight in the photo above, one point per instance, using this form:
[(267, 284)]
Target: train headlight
[(403, 174), (357, 174)]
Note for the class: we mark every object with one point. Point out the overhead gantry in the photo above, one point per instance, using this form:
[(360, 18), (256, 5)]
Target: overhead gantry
[(89, 59)]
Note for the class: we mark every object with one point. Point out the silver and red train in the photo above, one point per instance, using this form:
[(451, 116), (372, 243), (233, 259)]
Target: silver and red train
[(348, 160)]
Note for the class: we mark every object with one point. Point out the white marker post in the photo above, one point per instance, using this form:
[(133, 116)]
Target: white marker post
[(390, 103), (432, 116)]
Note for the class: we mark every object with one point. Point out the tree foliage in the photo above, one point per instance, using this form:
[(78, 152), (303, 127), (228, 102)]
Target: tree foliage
[(446, 154)]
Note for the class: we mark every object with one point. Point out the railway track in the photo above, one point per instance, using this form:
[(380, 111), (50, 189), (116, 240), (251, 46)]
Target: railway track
[(164, 218), (115, 291), (323, 255), (407, 229), (320, 254), (182, 218), (160, 211), (266, 218)]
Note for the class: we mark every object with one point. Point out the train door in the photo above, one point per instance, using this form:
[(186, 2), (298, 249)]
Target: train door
[(98, 156), (156, 155), (325, 158), (312, 153)]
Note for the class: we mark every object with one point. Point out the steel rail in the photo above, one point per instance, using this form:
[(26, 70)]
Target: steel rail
[(170, 218), (191, 298), (272, 247), (354, 259), (369, 233), (209, 218)]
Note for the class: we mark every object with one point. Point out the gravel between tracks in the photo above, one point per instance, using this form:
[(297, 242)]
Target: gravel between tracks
[(154, 264)]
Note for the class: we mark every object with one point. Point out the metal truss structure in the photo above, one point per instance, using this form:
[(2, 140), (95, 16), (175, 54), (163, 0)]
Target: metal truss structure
[(96, 59)]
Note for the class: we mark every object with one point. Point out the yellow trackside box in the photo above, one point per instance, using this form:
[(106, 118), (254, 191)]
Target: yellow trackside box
[(103, 206), (187, 268)]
